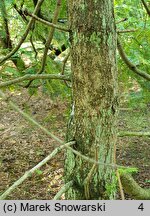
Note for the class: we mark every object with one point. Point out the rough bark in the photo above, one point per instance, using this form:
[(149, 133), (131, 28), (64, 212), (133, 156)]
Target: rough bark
[(93, 125)]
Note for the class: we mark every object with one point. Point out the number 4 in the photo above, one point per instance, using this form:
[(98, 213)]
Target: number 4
[(141, 207)]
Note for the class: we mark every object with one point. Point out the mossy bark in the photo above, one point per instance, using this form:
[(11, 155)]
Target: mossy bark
[(131, 187), (93, 125)]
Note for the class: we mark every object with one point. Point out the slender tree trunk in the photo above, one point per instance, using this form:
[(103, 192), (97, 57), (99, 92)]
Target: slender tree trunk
[(93, 125)]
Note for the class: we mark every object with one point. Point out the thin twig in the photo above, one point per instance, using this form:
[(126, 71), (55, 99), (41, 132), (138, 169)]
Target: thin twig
[(130, 65), (28, 28), (130, 133), (126, 30), (122, 20), (64, 62), (46, 22), (33, 77), (26, 116), (32, 44), (29, 118), (49, 40), (63, 68), (50, 36), (31, 171)]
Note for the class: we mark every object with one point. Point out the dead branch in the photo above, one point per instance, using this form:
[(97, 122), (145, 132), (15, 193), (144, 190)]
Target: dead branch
[(126, 30), (130, 65), (31, 171), (63, 68), (28, 28), (45, 22), (33, 77), (49, 40), (122, 20), (29, 118), (129, 133)]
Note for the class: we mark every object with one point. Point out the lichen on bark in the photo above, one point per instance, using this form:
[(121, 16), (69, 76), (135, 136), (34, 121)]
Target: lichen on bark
[(93, 127)]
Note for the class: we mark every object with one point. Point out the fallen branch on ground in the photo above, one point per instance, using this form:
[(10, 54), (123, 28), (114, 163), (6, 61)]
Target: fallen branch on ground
[(30, 119), (129, 133), (67, 145), (31, 171), (27, 117)]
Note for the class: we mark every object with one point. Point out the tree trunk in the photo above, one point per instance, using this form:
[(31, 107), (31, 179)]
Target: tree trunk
[(93, 125)]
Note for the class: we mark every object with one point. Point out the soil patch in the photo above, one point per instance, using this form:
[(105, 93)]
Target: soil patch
[(23, 145)]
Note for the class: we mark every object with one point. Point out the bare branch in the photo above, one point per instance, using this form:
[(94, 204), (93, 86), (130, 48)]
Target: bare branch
[(46, 22), (126, 30), (33, 77), (50, 36), (49, 40), (122, 20), (146, 7), (37, 8), (29, 118), (63, 68), (63, 190), (31, 171), (129, 133), (130, 65)]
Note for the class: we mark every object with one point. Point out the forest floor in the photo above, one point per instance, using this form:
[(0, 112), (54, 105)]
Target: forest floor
[(23, 145)]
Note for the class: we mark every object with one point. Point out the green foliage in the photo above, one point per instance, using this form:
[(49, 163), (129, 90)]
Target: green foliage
[(129, 170), (111, 187), (51, 5), (38, 172), (55, 87), (136, 46)]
